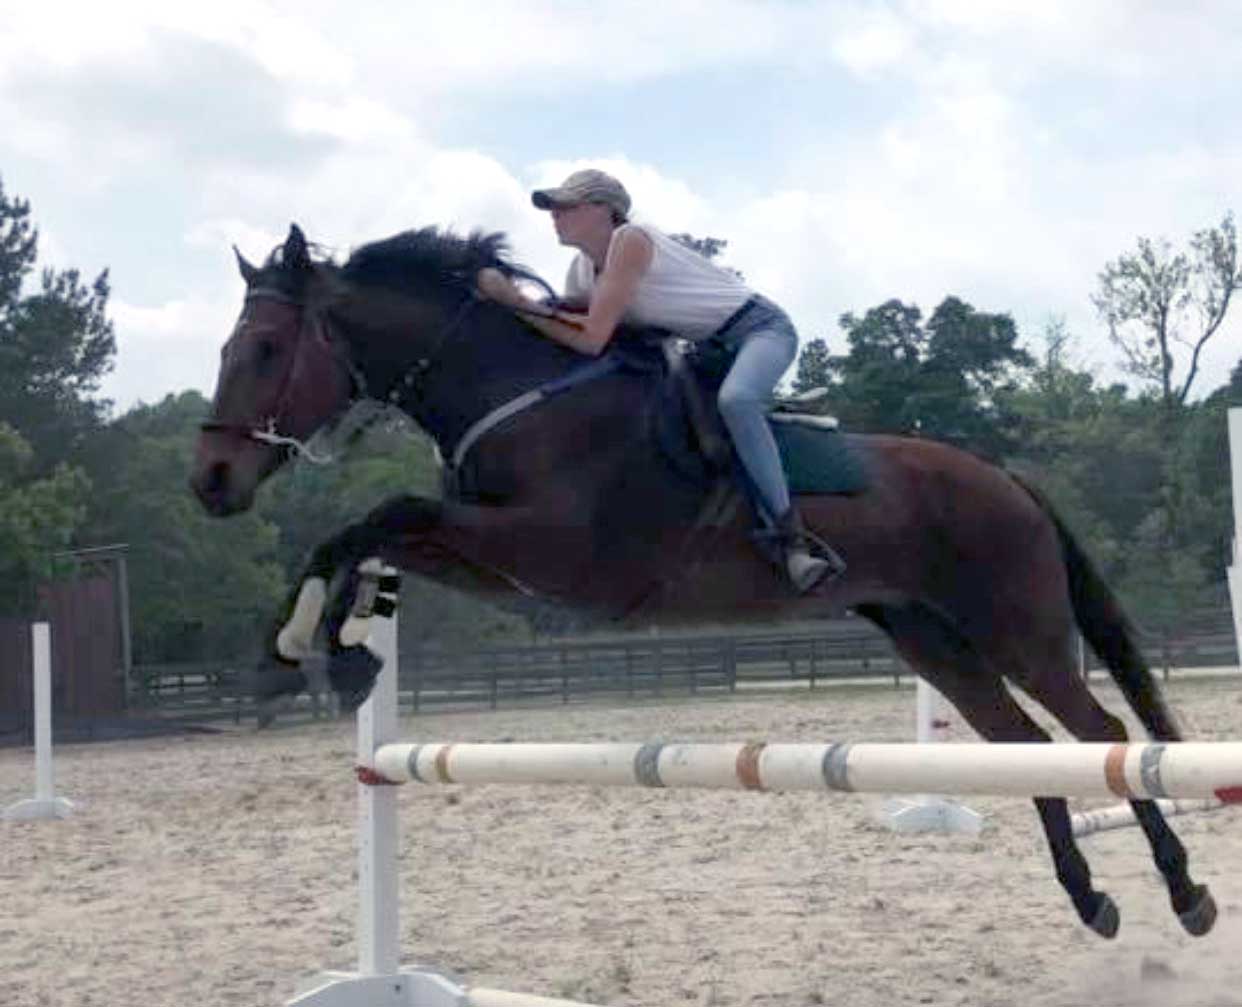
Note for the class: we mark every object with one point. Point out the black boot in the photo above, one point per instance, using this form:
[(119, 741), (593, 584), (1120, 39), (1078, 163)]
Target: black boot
[(804, 569)]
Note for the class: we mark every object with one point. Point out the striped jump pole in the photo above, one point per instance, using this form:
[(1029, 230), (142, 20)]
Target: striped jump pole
[(1152, 770), (45, 803), (380, 980), (1121, 816)]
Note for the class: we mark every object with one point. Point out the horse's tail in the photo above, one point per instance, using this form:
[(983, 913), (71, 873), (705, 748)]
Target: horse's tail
[(1109, 630)]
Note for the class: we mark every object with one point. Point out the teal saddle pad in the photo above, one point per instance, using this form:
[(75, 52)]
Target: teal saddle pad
[(818, 459)]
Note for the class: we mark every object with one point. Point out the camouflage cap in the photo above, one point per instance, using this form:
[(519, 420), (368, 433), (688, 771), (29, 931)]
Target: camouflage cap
[(587, 186)]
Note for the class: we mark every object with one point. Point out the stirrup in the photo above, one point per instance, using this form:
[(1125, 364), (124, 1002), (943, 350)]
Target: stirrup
[(807, 572), (807, 559)]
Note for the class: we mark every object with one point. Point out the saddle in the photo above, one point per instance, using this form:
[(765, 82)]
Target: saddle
[(693, 438)]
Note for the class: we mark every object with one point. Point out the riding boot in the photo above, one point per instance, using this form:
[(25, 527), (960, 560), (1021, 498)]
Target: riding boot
[(805, 570)]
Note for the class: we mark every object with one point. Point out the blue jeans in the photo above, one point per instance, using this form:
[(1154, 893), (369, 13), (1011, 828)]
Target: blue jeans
[(767, 344)]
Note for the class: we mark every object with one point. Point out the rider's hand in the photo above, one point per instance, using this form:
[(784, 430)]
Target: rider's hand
[(494, 285)]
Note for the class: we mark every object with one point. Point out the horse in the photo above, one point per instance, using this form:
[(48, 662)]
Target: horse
[(571, 500)]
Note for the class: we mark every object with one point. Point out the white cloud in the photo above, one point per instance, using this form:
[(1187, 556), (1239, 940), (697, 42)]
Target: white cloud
[(167, 347), (959, 181)]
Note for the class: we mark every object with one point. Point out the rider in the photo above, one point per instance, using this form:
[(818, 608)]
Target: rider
[(634, 272)]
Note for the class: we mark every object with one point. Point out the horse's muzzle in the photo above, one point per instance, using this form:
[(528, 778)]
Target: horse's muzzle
[(228, 470)]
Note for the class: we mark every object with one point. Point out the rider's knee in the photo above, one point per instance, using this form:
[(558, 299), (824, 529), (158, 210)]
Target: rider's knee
[(737, 400)]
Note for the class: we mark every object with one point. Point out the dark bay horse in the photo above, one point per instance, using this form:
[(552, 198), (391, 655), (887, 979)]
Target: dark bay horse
[(968, 570)]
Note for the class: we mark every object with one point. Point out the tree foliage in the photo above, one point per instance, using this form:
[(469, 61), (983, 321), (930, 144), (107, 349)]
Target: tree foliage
[(707, 247), (814, 367), (200, 588), (945, 377), (38, 518), (1155, 300), (55, 343)]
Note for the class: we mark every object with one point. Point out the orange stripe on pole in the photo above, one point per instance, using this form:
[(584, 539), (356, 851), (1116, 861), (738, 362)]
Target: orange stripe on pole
[(442, 764), (748, 766), (1115, 771)]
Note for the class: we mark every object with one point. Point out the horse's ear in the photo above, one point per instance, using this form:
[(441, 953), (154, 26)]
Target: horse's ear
[(296, 254), (248, 271)]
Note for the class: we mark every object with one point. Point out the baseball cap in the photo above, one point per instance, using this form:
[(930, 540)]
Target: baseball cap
[(587, 186)]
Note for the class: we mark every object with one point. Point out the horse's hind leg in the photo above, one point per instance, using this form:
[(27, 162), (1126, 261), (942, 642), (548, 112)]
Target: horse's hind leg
[(1055, 684), (943, 656)]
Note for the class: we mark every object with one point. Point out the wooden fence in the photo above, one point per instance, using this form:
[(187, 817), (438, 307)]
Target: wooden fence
[(632, 667)]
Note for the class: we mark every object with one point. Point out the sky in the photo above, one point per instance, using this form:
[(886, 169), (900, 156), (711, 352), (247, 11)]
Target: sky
[(1002, 152)]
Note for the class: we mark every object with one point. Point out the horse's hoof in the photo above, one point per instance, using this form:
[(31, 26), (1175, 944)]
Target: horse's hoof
[(1107, 920), (352, 672), (1198, 920)]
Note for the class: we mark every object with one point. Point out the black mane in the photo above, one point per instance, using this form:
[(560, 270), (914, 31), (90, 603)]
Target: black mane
[(428, 256)]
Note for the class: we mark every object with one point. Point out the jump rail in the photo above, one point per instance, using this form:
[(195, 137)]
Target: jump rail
[(1152, 770), (1121, 816)]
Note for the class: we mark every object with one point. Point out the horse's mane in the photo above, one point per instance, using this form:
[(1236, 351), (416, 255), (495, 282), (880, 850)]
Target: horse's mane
[(431, 257)]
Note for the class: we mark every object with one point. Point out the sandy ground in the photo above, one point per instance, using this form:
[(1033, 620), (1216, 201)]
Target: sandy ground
[(219, 870)]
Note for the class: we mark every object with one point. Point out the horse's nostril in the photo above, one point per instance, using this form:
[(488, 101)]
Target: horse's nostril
[(217, 477), (210, 483)]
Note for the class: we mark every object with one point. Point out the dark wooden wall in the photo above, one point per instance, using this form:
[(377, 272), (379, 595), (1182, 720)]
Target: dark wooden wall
[(88, 679)]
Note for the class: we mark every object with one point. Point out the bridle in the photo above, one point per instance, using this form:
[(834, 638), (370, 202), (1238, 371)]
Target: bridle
[(267, 431)]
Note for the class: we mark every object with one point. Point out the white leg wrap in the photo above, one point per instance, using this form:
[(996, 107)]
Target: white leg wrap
[(296, 638), (355, 631)]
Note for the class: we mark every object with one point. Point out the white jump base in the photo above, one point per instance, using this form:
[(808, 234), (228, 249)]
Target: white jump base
[(45, 803), (415, 988)]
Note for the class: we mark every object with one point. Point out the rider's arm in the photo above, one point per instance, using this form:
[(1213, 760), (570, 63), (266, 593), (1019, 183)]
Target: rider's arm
[(629, 258)]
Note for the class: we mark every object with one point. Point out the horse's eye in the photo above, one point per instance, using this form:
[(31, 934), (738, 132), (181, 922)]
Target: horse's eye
[(266, 352)]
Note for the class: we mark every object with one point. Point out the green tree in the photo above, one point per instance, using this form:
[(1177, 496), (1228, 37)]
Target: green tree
[(1156, 303), (38, 518), (1101, 456), (1090, 448), (200, 588), (814, 366), (1155, 300), (56, 343), (709, 248), (946, 378)]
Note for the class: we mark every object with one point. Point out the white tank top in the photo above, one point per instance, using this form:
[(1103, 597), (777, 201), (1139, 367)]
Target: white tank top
[(681, 291)]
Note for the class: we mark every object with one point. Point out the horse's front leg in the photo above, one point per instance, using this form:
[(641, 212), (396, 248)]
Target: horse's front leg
[(322, 628)]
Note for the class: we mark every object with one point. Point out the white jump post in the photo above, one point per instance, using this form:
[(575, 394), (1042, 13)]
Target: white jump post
[(926, 812), (45, 803), (380, 981), (1235, 570)]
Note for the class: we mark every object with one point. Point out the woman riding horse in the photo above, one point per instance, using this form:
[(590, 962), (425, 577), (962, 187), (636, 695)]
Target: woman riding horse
[(981, 587), (635, 272)]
